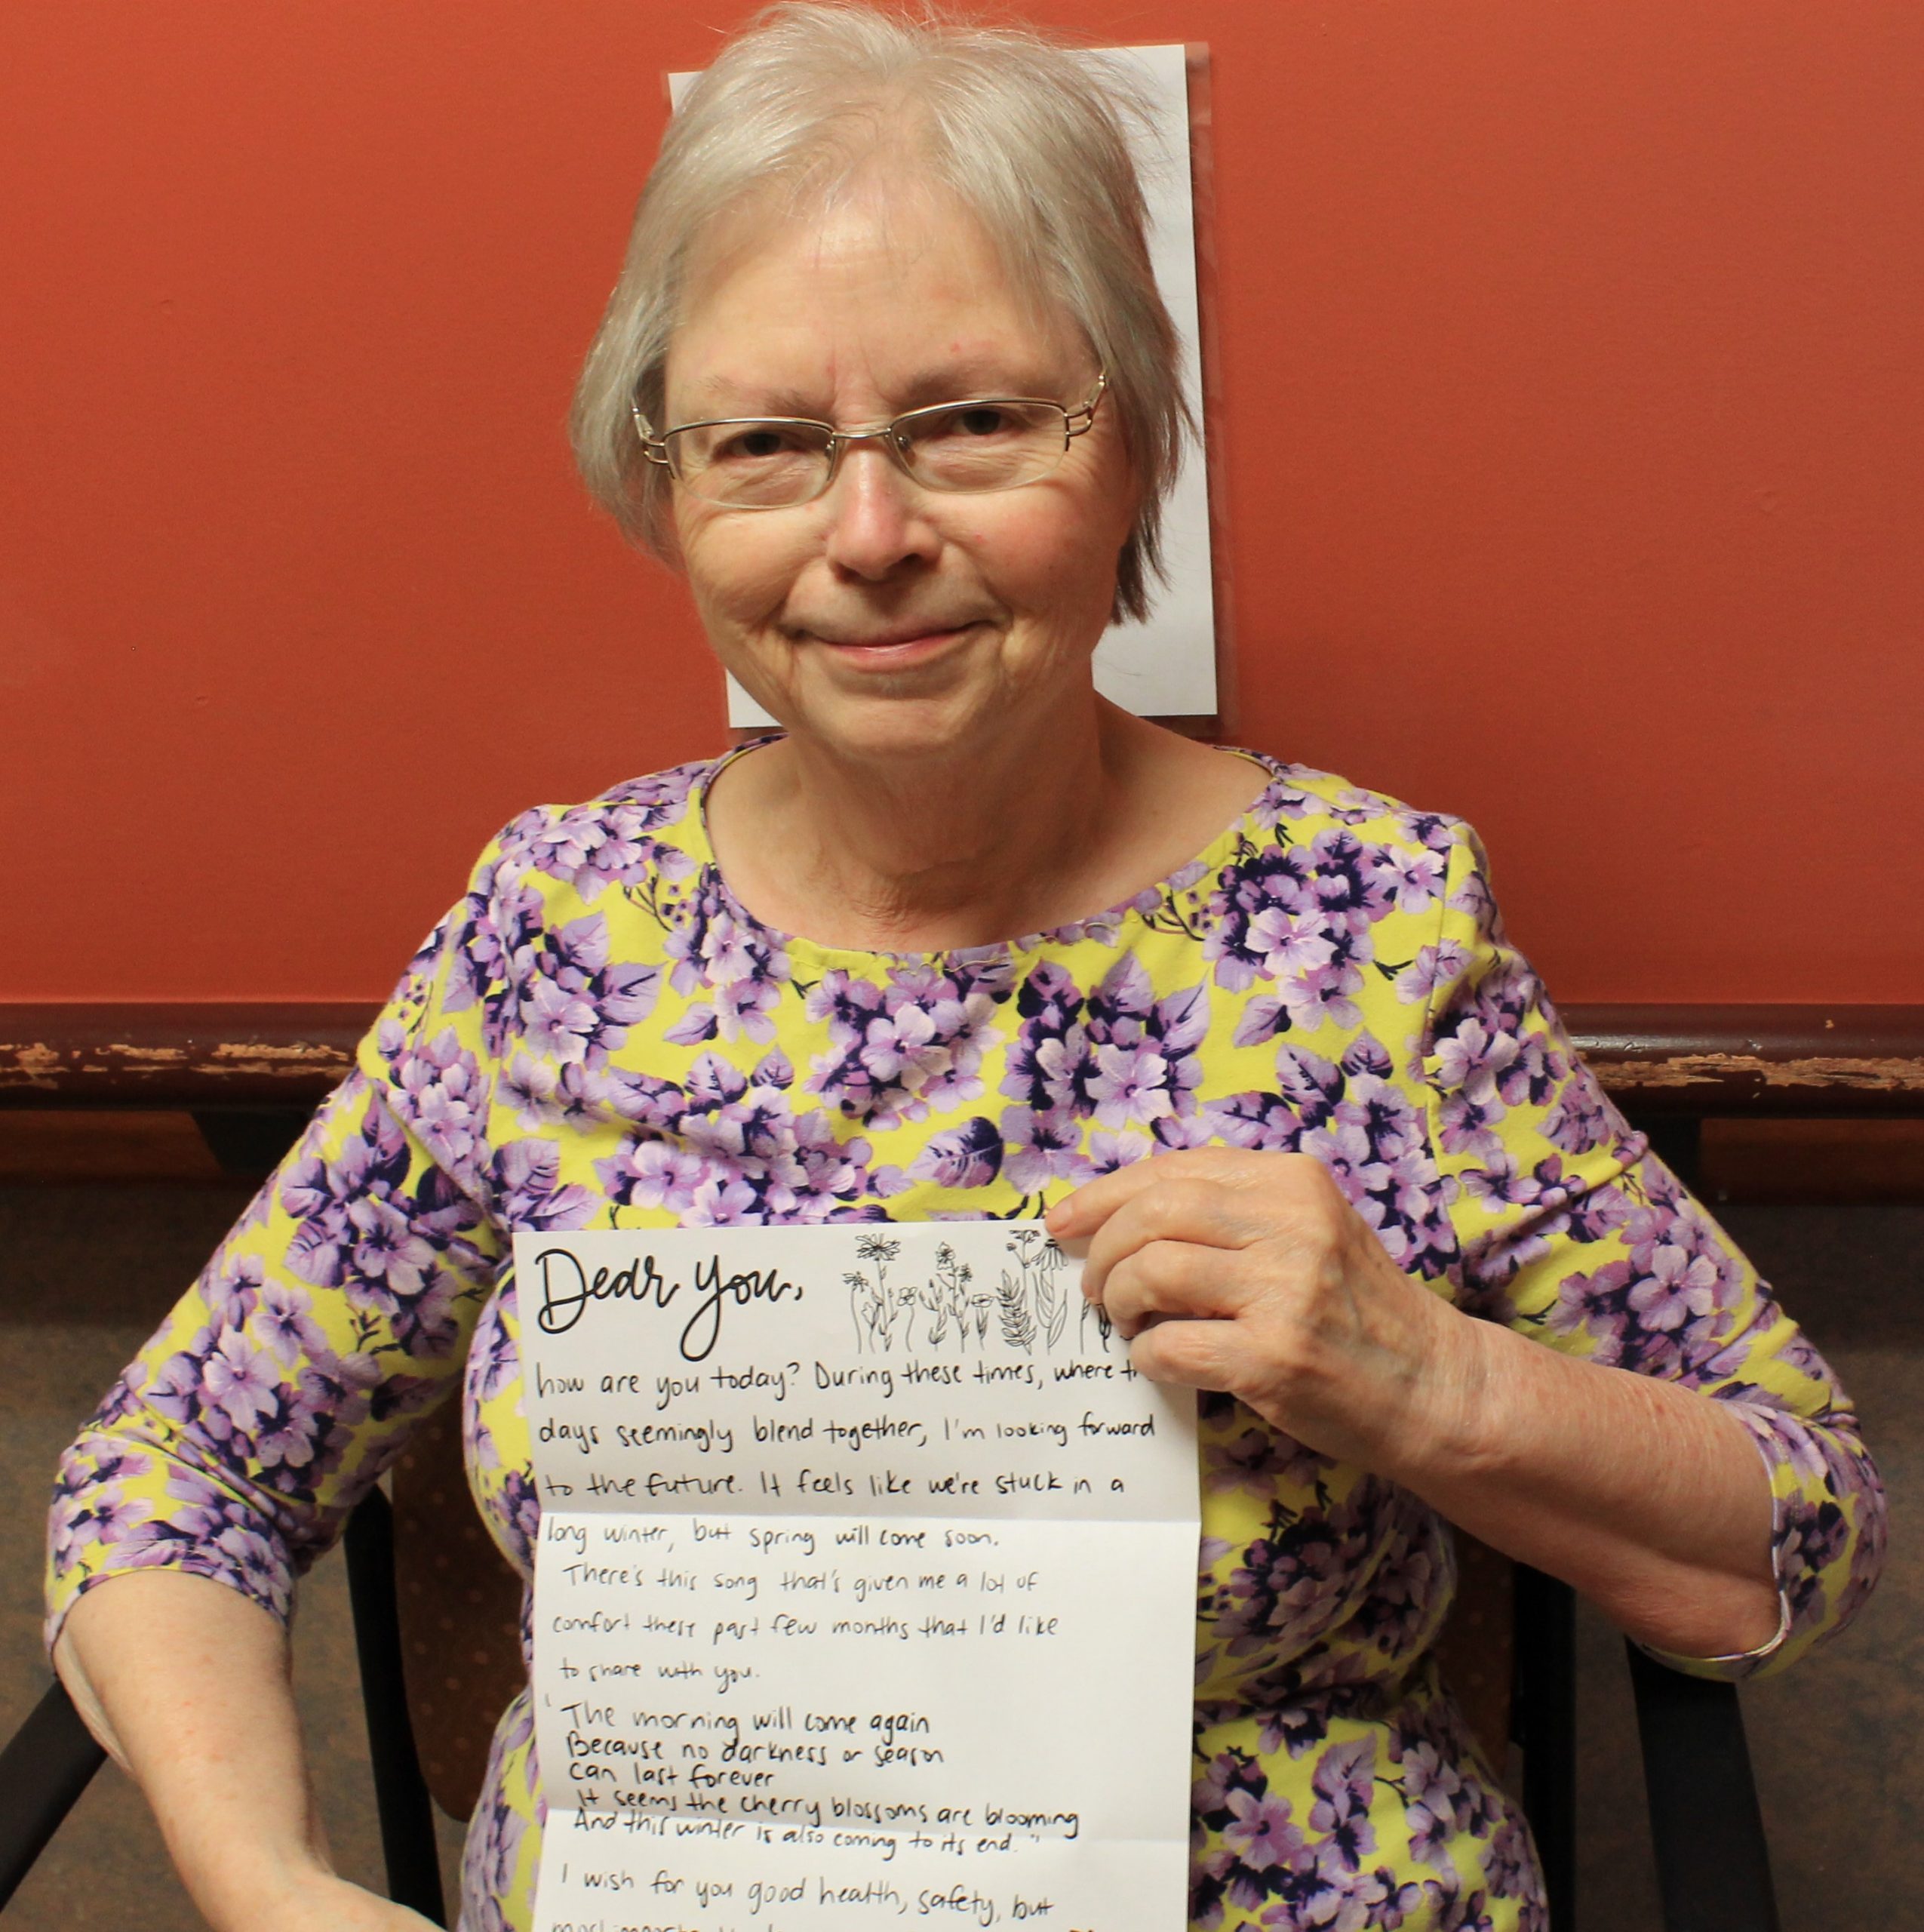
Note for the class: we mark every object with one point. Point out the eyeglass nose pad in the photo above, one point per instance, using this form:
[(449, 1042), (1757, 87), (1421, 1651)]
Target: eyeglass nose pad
[(890, 442)]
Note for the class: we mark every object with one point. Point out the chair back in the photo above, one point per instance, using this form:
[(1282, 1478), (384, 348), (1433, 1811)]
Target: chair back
[(460, 1605)]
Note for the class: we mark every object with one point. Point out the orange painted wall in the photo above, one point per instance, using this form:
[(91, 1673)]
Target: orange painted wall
[(1573, 452)]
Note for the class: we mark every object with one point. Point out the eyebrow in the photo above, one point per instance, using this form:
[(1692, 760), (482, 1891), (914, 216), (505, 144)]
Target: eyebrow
[(970, 375)]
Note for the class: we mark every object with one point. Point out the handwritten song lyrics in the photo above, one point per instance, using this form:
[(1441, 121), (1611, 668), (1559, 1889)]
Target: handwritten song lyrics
[(866, 1589)]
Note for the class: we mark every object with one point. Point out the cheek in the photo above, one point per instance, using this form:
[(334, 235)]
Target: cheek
[(740, 569), (1054, 568)]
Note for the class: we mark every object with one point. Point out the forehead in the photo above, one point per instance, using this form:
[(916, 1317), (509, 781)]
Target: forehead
[(890, 295)]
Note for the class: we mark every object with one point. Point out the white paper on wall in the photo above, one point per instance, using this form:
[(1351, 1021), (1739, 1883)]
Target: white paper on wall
[(1165, 667), (865, 1588)]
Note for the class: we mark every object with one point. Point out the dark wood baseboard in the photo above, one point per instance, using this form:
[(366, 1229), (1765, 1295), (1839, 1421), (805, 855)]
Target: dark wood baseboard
[(1743, 1060)]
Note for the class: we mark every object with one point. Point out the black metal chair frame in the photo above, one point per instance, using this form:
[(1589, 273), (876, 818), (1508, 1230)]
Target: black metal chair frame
[(1713, 1865)]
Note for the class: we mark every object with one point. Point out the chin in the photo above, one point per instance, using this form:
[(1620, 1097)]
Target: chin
[(884, 716)]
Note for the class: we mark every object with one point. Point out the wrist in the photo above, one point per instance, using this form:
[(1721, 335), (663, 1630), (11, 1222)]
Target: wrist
[(247, 1886), (1450, 1430)]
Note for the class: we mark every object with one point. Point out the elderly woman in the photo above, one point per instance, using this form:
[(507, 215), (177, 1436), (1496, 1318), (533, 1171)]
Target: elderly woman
[(887, 381)]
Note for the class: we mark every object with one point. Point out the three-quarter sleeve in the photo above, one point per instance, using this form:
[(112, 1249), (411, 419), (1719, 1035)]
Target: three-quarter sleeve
[(336, 1312), (1571, 1232)]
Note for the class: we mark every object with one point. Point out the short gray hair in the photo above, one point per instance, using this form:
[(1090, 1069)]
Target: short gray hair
[(1032, 137)]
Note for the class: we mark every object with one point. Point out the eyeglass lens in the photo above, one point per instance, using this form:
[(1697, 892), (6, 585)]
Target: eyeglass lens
[(976, 445)]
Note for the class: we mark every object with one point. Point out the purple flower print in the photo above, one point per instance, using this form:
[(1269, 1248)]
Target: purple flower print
[(402, 1256), (1256, 1457), (1374, 1145), (1414, 1582), (719, 950), (573, 1003), (1811, 1537), (1049, 1064), (1287, 944), (1368, 1134), (1147, 1069), (506, 1093), (1352, 806), (576, 1097), (610, 841), (1414, 880), (492, 1852), (238, 1382), (1680, 1289), (439, 1091), (1438, 965), (1295, 1581), (1300, 917), (1435, 831), (1260, 1832), (1666, 1308), (1131, 1087), (1108, 1151), (1556, 1205), (774, 1068), (1265, 1123), (520, 1518), (1582, 1117), (93, 1508), (527, 1187), (494, 1361), (1344, 1781), (653, 1174), (1433, 1796), (1512, 1870), (896, 1049), (1043, 1147), (968, 1156), (1471, 1060), (283, 1318), (498, 922), (720, 1203), (739, 1153), (1494, 1050)]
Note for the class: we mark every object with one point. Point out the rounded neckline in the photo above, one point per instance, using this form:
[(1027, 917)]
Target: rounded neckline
[(796, 946)]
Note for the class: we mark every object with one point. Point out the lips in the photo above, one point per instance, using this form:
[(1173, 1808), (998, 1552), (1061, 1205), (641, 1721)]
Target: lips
[(893, 639)]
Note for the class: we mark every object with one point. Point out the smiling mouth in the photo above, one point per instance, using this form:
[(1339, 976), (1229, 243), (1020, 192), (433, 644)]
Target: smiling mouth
[(893, 646)]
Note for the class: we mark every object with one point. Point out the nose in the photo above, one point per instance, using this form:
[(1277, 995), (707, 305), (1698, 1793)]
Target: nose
[(877, 518)]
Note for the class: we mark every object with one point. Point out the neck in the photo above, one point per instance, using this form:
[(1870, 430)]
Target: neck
[(959, 848)]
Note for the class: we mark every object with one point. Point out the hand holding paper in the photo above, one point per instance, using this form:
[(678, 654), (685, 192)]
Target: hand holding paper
[(1251, 1273)]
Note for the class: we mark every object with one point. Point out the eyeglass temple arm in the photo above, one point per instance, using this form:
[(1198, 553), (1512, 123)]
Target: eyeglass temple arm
[(653, 446), (1077, 420)]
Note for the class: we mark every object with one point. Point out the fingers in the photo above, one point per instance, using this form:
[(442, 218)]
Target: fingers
[(1194, 1355), (1082, 1213), (1163, 1279), (1214, 1196), (1173, 1213), (1266, 1182)]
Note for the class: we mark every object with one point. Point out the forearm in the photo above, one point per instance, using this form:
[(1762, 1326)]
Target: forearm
[(186, 1682), (1649, 1497)]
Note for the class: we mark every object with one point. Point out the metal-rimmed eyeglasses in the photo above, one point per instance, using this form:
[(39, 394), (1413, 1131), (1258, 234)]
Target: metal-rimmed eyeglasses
[(773, 462)]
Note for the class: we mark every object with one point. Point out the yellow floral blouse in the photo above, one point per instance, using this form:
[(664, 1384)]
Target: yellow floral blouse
[(598, 1034)]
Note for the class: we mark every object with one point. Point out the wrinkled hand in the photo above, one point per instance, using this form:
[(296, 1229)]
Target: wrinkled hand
[(1250, 1273)]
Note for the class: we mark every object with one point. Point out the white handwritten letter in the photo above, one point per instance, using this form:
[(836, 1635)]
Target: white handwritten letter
[(865, 1588)]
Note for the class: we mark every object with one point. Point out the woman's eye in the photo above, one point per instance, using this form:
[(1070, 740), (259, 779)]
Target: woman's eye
[(749, 444), (976, 423)]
